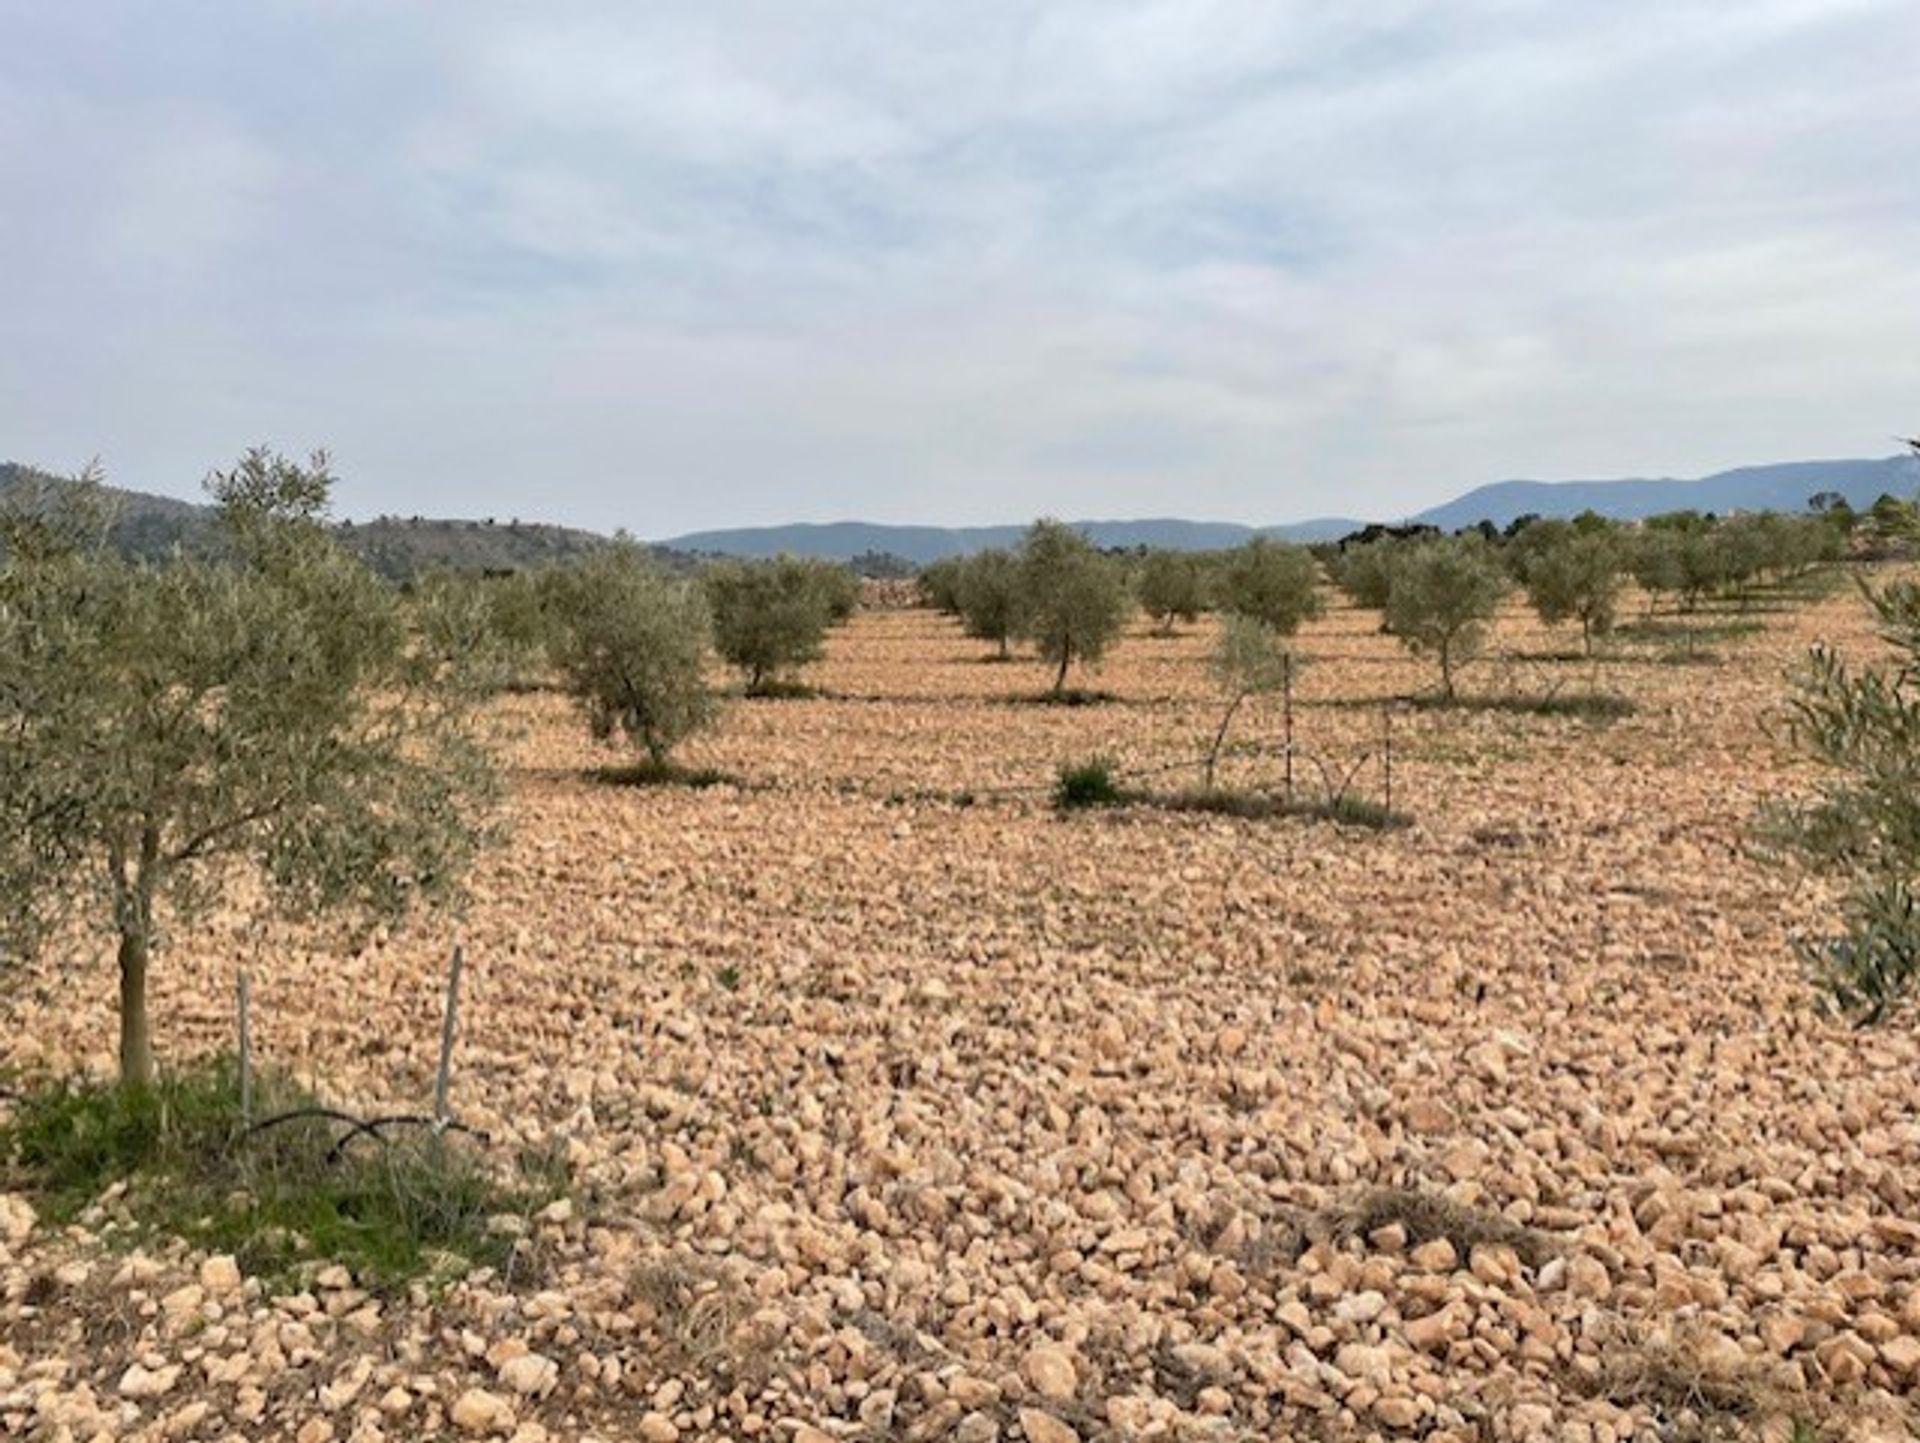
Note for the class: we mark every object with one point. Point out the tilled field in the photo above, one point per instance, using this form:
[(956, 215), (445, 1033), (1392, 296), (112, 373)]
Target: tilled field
[(902, 1107)]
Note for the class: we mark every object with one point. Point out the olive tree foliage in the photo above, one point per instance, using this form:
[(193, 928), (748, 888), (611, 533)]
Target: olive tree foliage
[(1171, 586), (987, 594), (1250, 659), (940, 584), (1862, 824), (631, 646), (1571, 574), (1275, 584), (1365, 571), (770, 618), (268, 707), (1442, 600), (500, 628), (1073, 601)]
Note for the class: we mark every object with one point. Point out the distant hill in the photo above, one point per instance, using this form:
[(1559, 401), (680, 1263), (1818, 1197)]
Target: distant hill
[(399, 548), (843, 540), (1783, 487)]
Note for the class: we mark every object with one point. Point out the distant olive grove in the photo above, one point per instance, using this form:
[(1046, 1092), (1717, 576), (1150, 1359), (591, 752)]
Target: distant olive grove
[(263, 697)]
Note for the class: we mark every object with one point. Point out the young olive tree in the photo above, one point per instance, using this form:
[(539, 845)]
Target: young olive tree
[(1272, 582), (1171, 587), (1072, 601), (1443, 600), (1653, 557), (1863, 823), (1250, 660), (1572, 575), (160, 724), (940, 584), (839, 588), (1365, 571), (631, 645), (988, 595), (769, 617)]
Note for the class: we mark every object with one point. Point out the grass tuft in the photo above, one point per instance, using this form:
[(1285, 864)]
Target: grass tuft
[(1069, 696), (1429, 1215), (1258, 806), (405, 1205), (1682, 633), (1587, 705), (783, 689), (1090, 783), (649, 773)]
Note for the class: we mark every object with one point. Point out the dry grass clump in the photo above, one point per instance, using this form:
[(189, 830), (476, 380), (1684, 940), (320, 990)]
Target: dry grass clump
[(1428, 1215), (702, 1318), (1692, 1401)]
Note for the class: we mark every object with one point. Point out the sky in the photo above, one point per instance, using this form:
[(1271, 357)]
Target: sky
[(739, 262)]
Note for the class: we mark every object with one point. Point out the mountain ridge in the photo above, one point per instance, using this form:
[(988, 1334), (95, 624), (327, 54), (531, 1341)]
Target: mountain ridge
[(1777, 486), (152, 525)]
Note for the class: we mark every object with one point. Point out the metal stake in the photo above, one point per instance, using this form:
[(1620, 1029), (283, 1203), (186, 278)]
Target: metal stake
[(447, 1025), (246, 1053)]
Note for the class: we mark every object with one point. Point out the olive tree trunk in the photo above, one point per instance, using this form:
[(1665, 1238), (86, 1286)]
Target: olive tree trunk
[(135, 880), (136, 1043)]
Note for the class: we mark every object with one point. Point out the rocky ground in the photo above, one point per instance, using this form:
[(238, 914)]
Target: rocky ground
[(903, 1108)]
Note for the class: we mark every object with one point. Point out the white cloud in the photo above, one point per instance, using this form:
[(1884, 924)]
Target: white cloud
[(759, 259)]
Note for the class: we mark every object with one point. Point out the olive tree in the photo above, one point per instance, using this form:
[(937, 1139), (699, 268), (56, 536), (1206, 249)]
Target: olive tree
[(1862, 824), (1171, 587), (1364, 571), (1272, 582), (1572, 575), (769, 617), (631, 645), (1442, 600), (988, 595), (1250, 659), (269, 706), (1072, 601), (940, 584)]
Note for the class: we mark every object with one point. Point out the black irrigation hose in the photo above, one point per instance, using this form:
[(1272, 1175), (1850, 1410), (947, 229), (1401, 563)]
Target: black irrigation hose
[(357, 1127), (371, 1128), (331, 1114)]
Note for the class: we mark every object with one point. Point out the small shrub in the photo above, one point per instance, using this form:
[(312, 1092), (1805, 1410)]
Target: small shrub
[(1087, 784)]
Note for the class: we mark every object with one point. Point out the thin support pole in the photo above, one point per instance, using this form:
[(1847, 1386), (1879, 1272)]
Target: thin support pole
[(1286, 719), (447, 1026), (1386, 750), (241, 999)]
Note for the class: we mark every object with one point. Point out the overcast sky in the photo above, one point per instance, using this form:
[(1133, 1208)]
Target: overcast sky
[(746, 261)]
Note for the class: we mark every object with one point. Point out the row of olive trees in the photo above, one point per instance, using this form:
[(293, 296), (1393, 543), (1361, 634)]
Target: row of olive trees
[(1071, 601), (1440, 594)]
